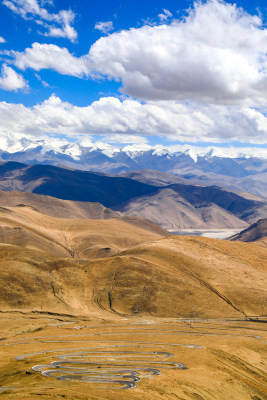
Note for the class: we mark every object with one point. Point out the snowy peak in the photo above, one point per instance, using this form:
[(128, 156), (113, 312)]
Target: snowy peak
[(17, 143)]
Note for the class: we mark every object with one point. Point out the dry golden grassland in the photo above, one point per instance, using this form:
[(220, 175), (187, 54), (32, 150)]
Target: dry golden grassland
[(103, 309), (222, 359)]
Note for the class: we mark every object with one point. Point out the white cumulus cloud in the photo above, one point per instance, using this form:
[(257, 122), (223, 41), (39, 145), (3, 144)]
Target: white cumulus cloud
[(2, 40), (111, 116), (51, 56), (10, 80), (56, 24), (217, 55)]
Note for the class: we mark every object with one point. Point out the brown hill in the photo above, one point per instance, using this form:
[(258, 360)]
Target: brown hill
[(172, 277), (132, 269), (56, 207), (254, 233), (71, 209), (172, 211), (25, 227)]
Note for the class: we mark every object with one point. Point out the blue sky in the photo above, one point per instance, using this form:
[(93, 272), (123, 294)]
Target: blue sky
[(20, 34), (117, 71)]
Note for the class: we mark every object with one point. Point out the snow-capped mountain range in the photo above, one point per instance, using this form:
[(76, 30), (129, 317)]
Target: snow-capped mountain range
[(17, 143), (236, 168)]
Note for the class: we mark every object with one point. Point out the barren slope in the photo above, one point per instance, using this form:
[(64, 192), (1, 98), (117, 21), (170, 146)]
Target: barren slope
[(27, 228), (172, 211), (172, 277), (56, 207)]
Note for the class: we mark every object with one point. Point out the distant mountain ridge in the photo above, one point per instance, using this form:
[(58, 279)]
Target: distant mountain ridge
[(233, 168), (173, 206), (71, 185)]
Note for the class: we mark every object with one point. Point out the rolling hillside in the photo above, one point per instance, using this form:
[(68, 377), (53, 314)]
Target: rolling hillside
[(179, 277), (27, 228), (121, 267)]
